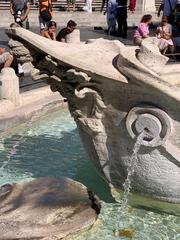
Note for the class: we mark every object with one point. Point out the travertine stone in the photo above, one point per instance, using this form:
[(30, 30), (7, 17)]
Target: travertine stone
[(45, 208), (73, 37), (9, 85), (122, 93)]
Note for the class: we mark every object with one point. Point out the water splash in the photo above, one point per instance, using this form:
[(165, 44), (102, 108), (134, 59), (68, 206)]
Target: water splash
[(131, 167)]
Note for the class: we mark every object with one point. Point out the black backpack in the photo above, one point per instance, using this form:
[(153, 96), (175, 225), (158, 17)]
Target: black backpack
[(18, 5)]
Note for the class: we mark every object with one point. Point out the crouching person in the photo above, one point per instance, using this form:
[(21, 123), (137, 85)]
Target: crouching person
[(71, 26), (6, 58)]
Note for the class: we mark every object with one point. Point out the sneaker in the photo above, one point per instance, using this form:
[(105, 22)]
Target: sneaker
[(20, 71)]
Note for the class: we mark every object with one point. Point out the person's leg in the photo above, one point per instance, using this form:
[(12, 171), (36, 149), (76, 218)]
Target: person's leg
[(68, 5), (119, 21), (73, 5), (42, 24), (9, 61), (124, 34), (124, 22), (89, 6), (171, 49), (6, 59)]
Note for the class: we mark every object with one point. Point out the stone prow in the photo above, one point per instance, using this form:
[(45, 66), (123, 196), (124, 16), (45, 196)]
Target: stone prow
[(95, 58), (109, 60)]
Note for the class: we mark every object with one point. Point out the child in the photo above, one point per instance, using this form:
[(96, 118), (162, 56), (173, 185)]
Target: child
[(142, 31), (164, 34), (51, 31)]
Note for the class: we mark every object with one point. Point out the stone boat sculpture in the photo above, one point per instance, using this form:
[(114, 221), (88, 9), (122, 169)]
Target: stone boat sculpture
[(126, 104)]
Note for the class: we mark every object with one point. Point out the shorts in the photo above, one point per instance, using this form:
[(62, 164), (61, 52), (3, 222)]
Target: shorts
[(43, 24), (4, 57)]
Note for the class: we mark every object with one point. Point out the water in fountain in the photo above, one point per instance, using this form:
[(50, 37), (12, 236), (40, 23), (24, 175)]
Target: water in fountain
[(12, 149), (52, 148)]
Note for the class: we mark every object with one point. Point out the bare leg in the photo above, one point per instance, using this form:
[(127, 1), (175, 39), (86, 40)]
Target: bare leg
[(164, 50), (8, 61), (172, 49)]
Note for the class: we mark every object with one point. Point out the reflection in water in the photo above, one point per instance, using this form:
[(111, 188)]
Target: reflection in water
[(51, 147)]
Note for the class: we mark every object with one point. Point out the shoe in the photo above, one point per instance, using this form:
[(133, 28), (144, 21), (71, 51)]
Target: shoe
[(20, 75), (20, 71)]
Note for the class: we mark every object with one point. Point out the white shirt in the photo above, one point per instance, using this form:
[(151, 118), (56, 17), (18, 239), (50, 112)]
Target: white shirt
[(167, 8)]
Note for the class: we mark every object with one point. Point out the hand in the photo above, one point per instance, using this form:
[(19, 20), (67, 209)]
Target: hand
[(2, 50), (23, 18), (54, 36)]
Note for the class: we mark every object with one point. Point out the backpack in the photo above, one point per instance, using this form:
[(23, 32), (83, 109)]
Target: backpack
[(18, 5)]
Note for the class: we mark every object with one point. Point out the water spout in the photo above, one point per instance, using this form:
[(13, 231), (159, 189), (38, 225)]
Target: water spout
[(131, 167)]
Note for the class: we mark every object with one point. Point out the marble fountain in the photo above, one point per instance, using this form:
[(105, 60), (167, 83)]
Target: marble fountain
[(126, 104)]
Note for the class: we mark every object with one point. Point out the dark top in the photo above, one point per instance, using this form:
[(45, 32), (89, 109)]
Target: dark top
[(19, 5), (62, 34), (122, 2)]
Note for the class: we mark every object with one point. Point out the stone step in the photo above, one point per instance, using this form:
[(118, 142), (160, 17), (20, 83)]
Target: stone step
[(58, 5), (62, 4), (83, 19)]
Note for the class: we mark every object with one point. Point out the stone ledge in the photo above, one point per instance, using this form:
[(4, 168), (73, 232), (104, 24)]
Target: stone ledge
[(45, 102)]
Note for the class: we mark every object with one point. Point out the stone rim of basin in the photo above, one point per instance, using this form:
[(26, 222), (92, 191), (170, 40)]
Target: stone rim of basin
[(46, 207)]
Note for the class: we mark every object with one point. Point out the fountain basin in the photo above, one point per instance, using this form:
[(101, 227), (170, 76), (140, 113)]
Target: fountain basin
[(114, 93), (45, 208)]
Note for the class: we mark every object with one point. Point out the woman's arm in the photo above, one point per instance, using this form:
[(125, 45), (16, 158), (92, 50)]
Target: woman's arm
[(46, 34), (11, 8), (53, 36), (26, 12), (160, 9)]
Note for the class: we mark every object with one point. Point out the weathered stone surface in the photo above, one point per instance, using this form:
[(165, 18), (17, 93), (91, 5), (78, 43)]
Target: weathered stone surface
[(45, 208), (9, 85), (127, 93), (20, 51), (73, 37)]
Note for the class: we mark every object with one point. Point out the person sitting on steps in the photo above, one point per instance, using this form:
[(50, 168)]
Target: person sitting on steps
[(164, 36), (6, 58), (51, 31), (61, 37), (142, 31)]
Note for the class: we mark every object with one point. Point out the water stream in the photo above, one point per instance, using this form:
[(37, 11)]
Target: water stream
[(131, 167)]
